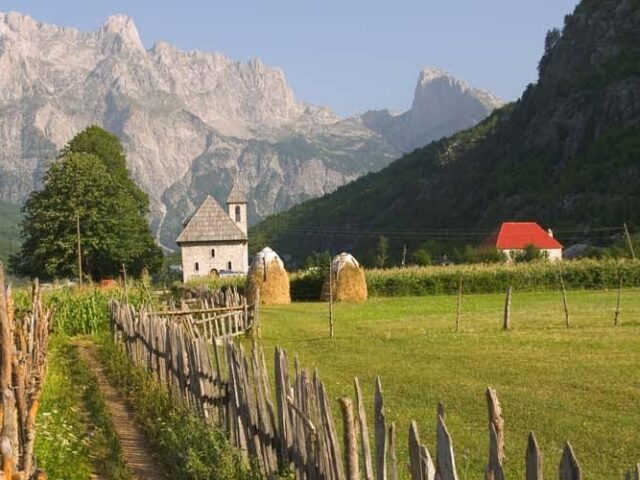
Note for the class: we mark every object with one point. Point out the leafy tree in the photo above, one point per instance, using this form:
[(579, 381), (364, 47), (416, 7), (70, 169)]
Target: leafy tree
[(318, 261), (422, 257), (88, 191), (382, 251), (108, 148), (530, 253)]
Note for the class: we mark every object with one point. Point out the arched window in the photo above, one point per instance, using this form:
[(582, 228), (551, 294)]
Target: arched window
[(197, 267), (228, 265), (213, 253), (238, 214)]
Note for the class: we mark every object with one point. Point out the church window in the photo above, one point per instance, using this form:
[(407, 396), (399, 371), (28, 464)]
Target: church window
[(197, 267), (238, 214), (229, 265), (213, 253)]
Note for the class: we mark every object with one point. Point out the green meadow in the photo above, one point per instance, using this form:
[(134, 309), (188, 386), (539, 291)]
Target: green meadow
[(580, 384)]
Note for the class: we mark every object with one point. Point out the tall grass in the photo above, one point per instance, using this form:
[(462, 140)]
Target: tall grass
[(482, 278), (79, 311)]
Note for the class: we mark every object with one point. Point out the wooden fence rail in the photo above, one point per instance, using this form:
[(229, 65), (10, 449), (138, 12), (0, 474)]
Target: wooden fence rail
[(294, 427)]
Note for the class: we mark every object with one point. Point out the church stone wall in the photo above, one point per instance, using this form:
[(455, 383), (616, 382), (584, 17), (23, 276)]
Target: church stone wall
[(237, 253)]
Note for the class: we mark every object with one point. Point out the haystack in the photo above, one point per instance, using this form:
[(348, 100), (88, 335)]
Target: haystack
[(268, 275), (348, 282)]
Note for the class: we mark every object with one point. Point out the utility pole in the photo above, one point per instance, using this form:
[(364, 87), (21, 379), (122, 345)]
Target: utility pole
[(626, 232), (79, 248)]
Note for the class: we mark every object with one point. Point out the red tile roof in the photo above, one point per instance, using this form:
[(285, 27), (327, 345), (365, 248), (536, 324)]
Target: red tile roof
[(517, 235)]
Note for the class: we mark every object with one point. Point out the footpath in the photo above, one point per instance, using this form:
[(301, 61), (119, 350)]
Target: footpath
[(135, 449)]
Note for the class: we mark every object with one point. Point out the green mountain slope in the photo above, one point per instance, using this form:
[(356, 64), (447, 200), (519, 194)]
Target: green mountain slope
[(10, 217), (567, 154)]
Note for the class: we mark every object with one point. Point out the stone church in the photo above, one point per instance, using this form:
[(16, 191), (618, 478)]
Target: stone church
[(214, 241)]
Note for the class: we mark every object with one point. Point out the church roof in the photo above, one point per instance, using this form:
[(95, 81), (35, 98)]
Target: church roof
[(236, 195), (210, 223)]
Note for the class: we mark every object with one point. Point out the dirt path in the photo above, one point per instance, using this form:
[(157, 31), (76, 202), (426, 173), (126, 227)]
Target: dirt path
[(135, 449)]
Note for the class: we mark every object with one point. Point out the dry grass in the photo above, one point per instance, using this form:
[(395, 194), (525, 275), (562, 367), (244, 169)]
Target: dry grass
[(273, 282), (348, 281)]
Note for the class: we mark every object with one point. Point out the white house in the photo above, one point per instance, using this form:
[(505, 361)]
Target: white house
[(513, 237), (214, 241)]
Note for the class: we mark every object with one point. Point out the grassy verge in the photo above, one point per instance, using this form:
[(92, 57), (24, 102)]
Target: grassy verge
[(580, 384), (74, 433), (187, 447)]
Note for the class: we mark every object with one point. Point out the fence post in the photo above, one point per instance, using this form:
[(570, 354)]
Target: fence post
[(569, 466), (459, 308), (380, 433), (496, 421), (446, 458), (564, 302), (364, 432), (330, 301), (533, 459), (506, 321), (393, 468), (617, 314), (350, 439)]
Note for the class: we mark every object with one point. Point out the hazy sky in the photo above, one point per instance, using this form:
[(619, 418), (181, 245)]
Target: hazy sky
[(351, 55)]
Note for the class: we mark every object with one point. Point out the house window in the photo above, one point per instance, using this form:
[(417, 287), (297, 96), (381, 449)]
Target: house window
[(197, 267), (238, 214), (213, 253), (229, 265)]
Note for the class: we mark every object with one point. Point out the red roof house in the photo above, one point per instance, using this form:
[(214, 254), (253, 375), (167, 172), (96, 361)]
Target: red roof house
[(514, 236)]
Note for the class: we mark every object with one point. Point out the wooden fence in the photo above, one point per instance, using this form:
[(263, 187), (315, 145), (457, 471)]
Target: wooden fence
[(215, 315), (293, 427), (23, 350)]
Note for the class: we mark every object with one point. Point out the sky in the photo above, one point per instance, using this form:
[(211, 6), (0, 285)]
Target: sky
[(350, 55)]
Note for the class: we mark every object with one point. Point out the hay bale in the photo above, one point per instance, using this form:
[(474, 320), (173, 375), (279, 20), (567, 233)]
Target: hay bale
[(348, 283), (268, 275)]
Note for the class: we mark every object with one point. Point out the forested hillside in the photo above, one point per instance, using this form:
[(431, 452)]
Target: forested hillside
[(566, 154), (9, 230)]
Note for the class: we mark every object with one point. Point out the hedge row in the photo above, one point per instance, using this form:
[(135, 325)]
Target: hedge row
[(495, 278)]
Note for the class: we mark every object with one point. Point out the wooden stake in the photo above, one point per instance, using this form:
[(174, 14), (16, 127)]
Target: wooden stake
[(79, 247), (330, 301), (380, 433), (404, 255), (617, 314), (350, 439), (626, 232), (124, 279), (533, 459), (506, 322), (564, 302), (393, 467), (364, 432), (459, 308)]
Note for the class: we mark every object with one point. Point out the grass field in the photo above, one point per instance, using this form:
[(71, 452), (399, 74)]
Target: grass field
[(581, 384)]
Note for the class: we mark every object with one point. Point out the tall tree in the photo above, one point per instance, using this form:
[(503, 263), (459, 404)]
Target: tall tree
[(88, 185)]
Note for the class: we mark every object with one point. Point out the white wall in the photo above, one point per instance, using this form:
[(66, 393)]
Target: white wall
[(553, 254), (236, 253), (242, 224)]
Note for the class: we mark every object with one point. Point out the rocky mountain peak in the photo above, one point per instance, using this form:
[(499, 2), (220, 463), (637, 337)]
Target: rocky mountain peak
[(442, 105), (119, 33)]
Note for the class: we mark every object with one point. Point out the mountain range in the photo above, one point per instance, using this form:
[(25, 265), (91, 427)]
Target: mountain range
[(566, 154), (193, 123)]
